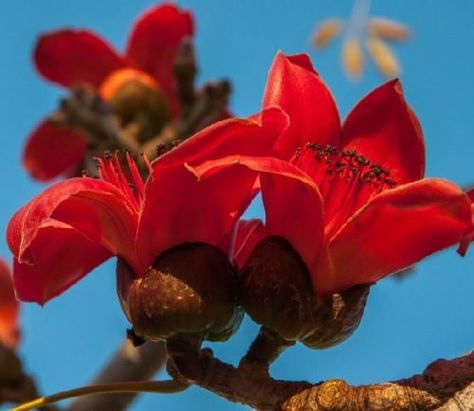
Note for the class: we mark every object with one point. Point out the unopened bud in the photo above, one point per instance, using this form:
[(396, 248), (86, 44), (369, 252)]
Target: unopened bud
[(277, 292), (189, 292)]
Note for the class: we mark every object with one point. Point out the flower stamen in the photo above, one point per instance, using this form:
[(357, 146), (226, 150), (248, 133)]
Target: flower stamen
[(130, 182)]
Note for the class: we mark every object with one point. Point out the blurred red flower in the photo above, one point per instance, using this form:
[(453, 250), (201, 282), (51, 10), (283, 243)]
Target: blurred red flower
[(350, 198), (68, 57), (9, 309), (76, 224)]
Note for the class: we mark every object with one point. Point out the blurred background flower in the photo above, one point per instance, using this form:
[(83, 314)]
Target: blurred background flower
[(363, 36), (9, 309)]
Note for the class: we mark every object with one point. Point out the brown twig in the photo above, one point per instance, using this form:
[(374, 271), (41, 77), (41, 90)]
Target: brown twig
[(462, 400), (85, 111), (266, 348), (129, 363), (251, 384), (208, 106), (185, 70)]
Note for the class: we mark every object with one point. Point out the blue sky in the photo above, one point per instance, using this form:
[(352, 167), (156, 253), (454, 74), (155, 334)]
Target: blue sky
[(407, 324)]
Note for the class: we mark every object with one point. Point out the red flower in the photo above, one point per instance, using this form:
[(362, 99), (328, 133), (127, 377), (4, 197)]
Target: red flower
[(350, 198), (9, 309), (76, 224), (69, 56), (468, 236)]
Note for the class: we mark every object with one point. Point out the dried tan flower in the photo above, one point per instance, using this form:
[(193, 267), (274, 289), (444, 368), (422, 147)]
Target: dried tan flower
[(363, 31)]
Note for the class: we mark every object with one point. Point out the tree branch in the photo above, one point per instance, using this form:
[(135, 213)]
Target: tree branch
[(442, 382), (129, 363), (462, 400)]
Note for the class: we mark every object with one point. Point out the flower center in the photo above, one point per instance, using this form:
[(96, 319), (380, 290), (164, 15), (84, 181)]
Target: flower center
[(120, 78), (346, 180), (138, 101), (128, 180)]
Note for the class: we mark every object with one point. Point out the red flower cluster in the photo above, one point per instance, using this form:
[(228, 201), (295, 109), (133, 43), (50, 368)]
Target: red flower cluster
[(350, 198), (70, 57)]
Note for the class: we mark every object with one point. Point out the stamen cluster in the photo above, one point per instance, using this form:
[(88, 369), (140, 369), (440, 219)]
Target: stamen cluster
[(350, 165)]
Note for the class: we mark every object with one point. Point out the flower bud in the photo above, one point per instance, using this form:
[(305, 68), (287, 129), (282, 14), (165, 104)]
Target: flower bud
[(277, 293), (190, 292)]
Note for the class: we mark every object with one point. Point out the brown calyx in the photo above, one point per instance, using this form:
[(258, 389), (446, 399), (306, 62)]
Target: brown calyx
[(277, 292), (190, 291)]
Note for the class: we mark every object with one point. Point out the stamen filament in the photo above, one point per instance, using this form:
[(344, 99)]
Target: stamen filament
[(106, 172), (136, 177), (129, 183), (162, 387), (147, 163), (123, 182)]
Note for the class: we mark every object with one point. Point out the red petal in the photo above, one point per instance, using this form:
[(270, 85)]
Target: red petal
[(466, 241), (383, 128), (247, 234), (394, 230), (470, 194), (70, 56), (97, 209), (52, 151), (468, 237), (294, 86), (9, 309), (293, 204), (154, 41), (179, 209), (216, 209), (62, 256), (228, 137)]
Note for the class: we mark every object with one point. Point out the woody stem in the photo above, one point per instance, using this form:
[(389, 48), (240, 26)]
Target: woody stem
[(251, 385), (129, 363), (267, 347)]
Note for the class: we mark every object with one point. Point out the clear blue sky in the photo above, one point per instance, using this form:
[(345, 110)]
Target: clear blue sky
[(407, 323)]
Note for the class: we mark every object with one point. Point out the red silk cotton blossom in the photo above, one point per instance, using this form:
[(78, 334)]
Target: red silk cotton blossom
[(350, 198), (9, 309), (68, 57), (75, 225)]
